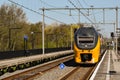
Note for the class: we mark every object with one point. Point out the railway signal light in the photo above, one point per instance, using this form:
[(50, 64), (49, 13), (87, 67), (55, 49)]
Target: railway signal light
[(112, 34)]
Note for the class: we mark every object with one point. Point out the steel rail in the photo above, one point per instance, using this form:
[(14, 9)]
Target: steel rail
[(82, 72), (70, 73), (33, 72)]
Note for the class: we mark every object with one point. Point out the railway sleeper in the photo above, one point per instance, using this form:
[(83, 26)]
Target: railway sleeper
[(27, 65), (34, 63), (12, 68), (21, 66), (1, 72), (4, 70)]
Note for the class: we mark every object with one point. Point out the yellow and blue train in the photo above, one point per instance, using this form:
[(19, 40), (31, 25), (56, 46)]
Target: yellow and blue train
[(87, 45)]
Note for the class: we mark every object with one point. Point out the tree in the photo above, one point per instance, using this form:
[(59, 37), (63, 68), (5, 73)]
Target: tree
[(36, 34), (11, 16), (59, 35)]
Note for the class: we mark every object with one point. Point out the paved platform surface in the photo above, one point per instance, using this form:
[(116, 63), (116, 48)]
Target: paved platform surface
[(16, 61), (109, 68)]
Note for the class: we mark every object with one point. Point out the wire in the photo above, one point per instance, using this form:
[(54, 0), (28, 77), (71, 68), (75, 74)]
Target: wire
[(35, 11), (85, 2), (80, 3), (65, 14), (81, 12), (56, 11), (74, 19), (94, 16), (53, 7), (47, 4)]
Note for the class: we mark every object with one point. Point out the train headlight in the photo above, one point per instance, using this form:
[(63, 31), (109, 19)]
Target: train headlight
[(85, 45)]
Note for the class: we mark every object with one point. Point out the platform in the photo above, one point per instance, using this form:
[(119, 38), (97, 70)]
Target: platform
[(21, 60), (109, 68)]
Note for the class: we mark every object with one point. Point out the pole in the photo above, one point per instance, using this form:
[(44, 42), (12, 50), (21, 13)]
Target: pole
[(32, 34), (9, 38), (24, 47), (71, 37), (103, 15), (116, 27), (79, 16), (43, 26), (114, 37)]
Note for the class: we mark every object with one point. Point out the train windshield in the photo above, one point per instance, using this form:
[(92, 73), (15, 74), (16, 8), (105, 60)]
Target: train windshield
[(86, 37), (86, 32)]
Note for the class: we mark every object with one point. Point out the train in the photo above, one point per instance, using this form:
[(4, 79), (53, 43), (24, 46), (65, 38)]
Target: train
[(87, 45)]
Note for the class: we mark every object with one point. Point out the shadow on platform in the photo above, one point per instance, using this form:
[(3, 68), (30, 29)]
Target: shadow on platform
[(72, 63)]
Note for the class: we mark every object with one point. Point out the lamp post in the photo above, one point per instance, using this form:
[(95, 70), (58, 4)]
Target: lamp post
[(43, 26), (25, 44), (116, 28), (10, 29), (32, 34)]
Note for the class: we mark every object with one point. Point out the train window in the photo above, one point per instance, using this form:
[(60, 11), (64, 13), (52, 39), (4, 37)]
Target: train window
[(89, 32), (86, 39)]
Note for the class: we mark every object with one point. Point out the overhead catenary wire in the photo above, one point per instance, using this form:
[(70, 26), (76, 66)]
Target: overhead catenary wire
[(81, 12), (80, 3), (94, 15), (58, 12), (35, 11), (72, 14), (46, 3), (66, 15), (52, 7), (73, 19), (86, 3), (82, 6)]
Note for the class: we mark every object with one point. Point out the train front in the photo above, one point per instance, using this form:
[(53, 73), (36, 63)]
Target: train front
[(86, 45)]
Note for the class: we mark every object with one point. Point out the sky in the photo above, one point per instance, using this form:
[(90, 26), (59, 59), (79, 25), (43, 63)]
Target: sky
[(63, 16)]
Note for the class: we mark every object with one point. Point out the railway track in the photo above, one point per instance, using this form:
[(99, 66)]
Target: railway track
[(31, 73), (79, 73), (71, 72)]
